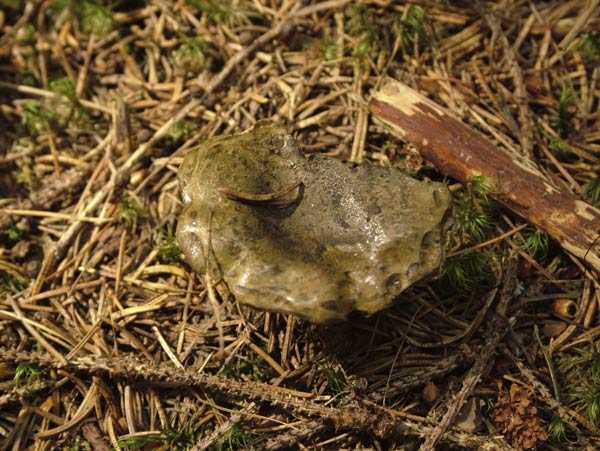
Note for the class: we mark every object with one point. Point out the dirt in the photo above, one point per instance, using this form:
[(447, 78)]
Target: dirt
[(108, 338)]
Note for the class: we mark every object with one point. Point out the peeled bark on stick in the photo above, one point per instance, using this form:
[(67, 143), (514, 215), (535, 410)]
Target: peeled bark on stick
[(462, 153)]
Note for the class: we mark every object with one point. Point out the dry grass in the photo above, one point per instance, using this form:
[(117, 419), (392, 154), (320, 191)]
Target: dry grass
[(109, 340)]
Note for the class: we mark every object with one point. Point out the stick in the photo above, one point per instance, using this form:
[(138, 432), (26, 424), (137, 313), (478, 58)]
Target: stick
[(354, 418), (498, 326), (462, 153)]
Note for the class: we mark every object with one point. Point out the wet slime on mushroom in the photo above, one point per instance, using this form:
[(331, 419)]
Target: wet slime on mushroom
[(315, 237)]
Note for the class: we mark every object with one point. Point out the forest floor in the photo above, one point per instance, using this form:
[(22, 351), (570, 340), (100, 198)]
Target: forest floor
[(109, 340)]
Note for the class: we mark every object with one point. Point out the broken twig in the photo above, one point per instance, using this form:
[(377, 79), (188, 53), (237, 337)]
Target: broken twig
[(460, 152)]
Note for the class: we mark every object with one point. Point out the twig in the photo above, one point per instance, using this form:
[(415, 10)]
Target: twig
[(460, 152), (496, 331), (352, 417)]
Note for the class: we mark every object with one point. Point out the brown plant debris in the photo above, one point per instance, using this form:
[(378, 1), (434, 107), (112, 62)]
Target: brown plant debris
[(461, 153), (108, 339)]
